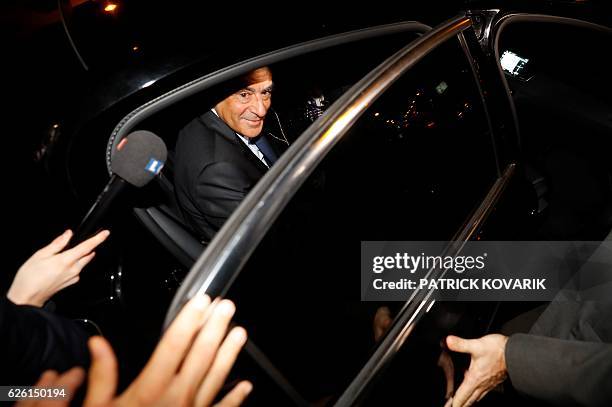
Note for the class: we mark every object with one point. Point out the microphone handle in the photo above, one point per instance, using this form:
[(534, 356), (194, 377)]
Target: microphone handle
[(90, 224)]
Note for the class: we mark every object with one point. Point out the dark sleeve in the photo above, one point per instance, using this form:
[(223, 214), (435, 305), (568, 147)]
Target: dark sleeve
[(219, 189), (562, 372), (33, 340)]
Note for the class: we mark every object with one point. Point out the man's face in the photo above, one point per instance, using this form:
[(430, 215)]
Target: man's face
[(245, 110)]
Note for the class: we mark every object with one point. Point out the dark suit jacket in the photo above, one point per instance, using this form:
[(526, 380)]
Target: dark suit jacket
[(214, 171), (560, 371), (33, 340), (566, 359)]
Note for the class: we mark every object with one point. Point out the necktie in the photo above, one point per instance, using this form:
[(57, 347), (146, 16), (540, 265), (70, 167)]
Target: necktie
[(264, 146)]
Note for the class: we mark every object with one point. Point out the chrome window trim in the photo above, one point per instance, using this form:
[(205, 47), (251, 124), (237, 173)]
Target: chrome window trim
[(488, 16), (477, 79), (128, 122), (227, 253), (415, 308)]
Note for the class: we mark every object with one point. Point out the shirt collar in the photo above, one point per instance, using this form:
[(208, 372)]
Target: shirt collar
[(248, 140)]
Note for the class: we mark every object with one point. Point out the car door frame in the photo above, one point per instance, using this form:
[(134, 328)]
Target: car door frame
[(224, 258), (421, 302), (201, 84), (494, 22)]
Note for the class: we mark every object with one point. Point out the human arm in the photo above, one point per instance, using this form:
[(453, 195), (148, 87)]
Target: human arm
[(50, 269), (487, 367), (219, 189), (68, 381), (562, 372), (188, 366), (33, 340)]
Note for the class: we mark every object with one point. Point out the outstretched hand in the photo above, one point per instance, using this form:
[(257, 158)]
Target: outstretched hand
[(187, 368), (49, 269), (487, 367)]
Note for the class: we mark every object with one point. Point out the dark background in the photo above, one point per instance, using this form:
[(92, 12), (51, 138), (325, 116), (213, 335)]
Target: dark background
[(56, 95), (46, 84)]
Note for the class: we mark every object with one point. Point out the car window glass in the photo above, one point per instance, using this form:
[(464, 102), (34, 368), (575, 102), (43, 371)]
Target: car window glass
[(560, 85), (562, 52), (296, 80), (205, 196), (413, 167), (292, 78)]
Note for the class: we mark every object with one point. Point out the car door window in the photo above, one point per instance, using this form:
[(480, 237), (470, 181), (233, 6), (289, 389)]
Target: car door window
[(413, 167), (560, 86)]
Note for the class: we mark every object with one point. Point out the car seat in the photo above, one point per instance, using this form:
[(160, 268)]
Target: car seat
[(164, 221)]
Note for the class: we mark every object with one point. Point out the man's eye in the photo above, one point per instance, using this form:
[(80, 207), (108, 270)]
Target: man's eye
[(243, 94)]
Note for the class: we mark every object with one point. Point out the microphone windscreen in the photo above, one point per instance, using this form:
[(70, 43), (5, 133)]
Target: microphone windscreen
[(139, 157)]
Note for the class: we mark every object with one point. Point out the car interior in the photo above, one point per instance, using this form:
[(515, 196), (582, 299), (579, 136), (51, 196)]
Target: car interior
[(129, 298), (563, 97), (304, 87), (412, 168), (416, 117), (420, 129), (429, 108)]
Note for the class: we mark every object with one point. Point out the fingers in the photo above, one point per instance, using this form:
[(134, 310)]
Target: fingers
[(81, 263), (87, 246), (446, 363), (464, 393), (75, 270), (236, 396), (46, 379), (202, 353), (476, 396), (382, 321), (487, 366), (175, 343), (450, 382), (226, 356), (457, 344), (70, 380), (102, 382), (482, 394), (57, 245)]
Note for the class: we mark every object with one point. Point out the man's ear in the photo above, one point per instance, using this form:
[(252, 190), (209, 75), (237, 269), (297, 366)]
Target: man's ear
[(219, 109)]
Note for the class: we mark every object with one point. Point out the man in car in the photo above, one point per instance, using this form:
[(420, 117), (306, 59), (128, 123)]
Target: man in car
[(221, 155)]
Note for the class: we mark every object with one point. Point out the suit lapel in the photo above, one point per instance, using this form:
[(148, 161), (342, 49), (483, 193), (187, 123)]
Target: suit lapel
[(213, 122), (250, 155)]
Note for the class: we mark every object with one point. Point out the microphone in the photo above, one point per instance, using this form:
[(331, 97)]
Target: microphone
[(138, 159)]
